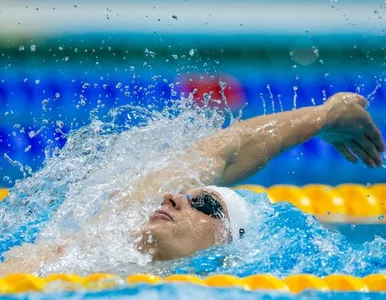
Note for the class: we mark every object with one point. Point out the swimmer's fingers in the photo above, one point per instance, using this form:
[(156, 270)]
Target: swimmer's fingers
[(347, 154), (361, 153), (370, 148), (361, 100), (374, 134)]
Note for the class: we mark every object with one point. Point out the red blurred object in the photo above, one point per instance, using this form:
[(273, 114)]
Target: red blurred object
[(234, 92)]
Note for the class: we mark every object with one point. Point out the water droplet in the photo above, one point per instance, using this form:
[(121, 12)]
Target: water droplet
[(31, 134), (60, 123), (21, 48), (175, 56), (174, 17), (57, 95), (381, 217), (85, 85), (33, 48), (37, 81), (119, 85), (191, 52), (150, 53)]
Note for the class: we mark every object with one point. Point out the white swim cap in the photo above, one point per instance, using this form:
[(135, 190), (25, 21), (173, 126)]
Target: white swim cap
[(237, 210)]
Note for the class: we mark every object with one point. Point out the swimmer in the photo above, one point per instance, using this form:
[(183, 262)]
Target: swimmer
[(199, 217)]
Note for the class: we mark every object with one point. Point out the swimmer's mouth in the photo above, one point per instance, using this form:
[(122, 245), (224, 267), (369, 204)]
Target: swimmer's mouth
[(161, 214)]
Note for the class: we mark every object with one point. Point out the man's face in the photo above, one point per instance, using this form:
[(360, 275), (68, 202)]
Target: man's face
[(176, 229)]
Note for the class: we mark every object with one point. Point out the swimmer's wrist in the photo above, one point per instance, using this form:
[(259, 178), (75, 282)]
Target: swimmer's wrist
[(320, 118)]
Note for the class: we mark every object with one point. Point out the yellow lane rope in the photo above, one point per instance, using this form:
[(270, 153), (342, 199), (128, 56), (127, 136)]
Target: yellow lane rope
[(18, 283), (345, 202)]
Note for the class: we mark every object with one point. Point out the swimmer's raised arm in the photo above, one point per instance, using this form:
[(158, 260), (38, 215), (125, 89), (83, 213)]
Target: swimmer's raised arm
[(244, 148), (247, 146)]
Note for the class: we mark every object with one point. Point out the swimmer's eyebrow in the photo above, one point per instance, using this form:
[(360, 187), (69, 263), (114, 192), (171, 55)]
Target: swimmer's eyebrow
[(213, 193), (199, 191), (183, 192), (216, 196)]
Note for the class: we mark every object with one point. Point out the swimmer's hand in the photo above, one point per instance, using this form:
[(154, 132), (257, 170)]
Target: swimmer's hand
[(351, 130)]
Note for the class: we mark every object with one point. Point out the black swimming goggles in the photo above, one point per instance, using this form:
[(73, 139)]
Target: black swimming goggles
[(207, 204)]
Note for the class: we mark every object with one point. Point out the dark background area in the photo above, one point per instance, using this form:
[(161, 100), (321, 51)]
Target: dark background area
[(52, 82)]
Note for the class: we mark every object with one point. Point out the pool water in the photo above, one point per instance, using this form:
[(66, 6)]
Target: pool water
[(186, 291), (62, 198)]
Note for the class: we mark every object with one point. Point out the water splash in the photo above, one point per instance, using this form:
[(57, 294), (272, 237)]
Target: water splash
[(295, 88), (97, 161), (370, 97), (98, 168), (271, 97), (264, 104)]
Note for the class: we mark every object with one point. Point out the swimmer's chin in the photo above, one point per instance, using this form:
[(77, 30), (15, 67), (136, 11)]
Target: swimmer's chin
[(147, 248), (155, 239)]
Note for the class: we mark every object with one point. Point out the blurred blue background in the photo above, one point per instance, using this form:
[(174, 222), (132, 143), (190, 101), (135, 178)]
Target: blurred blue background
[(60, 61)]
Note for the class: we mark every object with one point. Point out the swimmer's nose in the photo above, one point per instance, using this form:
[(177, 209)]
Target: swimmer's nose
[(176, 201)]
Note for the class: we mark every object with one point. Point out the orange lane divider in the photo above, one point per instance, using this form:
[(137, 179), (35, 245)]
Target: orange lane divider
[(297, 283), (360, 201), (3, 193), (326, 200), (300, 282), (265, 282), (292, 194), (331, 203), (375, 282)]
